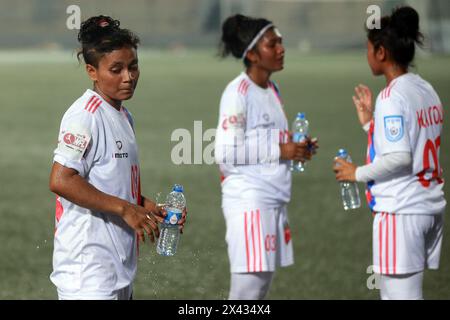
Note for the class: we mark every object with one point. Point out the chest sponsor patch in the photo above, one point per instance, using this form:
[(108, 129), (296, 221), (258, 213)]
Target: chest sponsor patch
[(393, 128), (73, 142), (233, 121)]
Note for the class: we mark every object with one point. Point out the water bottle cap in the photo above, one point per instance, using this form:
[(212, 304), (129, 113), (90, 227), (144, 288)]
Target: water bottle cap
[(177, 188), (342, 153), (301, 115)]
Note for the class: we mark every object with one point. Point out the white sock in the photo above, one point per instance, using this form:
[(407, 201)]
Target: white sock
[(250, 286), (402, 287)]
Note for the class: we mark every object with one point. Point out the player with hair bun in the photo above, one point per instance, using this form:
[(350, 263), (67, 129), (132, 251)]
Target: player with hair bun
[(100, 211), (403, 172), (254, 149)]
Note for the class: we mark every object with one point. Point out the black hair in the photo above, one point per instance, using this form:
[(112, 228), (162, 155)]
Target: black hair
[(399, 33), (237, 33), (100, 35)]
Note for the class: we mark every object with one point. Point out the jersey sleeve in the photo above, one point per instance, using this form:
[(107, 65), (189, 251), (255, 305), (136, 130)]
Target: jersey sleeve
[(391, 126), (77, 142), (236, 142)]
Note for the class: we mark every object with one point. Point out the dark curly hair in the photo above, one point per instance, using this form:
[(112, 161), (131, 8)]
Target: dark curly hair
[(399, 33), (100, 35)]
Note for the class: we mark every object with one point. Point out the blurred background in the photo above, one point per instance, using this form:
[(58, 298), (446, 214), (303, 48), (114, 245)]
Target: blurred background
[(307, 25), (182, 79)]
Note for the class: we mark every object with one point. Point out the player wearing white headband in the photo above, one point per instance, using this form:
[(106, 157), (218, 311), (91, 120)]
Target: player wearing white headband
[(253, 149)]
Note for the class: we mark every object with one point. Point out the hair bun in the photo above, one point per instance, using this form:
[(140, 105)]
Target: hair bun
[(405, 21), (230, 27), (96, 27)]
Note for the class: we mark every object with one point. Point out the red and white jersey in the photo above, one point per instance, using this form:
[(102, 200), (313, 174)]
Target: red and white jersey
[(95, 252), (252, 124), (408, 118)]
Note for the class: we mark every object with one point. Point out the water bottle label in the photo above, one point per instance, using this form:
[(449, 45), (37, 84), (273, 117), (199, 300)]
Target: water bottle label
[(298, 137), (173, 216)]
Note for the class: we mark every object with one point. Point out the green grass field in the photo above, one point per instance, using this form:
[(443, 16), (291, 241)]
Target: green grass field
[(332, 247)]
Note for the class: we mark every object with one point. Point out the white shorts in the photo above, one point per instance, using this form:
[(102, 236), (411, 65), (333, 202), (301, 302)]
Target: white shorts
[(258, 238), (406, 243), (121, 294)]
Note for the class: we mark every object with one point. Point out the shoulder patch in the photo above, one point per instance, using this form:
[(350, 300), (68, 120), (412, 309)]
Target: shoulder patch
[(393, 128), (74, 139)]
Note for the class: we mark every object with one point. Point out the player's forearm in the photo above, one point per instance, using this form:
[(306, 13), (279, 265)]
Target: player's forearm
[(78, 191), (384, 167)]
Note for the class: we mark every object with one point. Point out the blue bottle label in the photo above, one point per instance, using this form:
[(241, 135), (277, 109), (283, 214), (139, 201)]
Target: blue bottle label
[(298, 137), (173, 216)]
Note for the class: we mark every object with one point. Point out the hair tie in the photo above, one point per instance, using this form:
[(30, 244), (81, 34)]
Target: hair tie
[(103, 23)]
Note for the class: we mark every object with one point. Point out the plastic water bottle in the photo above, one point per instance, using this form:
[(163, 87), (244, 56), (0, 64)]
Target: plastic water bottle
[(349, 190), (300, 129), (169, 231)]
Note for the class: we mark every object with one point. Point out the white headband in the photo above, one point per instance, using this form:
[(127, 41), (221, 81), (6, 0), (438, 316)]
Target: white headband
[(255, 39)]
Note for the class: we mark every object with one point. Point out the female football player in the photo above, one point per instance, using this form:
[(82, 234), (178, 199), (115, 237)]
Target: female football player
[(403, 173), (100, 211), (254, 149)]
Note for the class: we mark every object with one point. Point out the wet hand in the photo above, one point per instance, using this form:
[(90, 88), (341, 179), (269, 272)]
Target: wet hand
[(142, 221)]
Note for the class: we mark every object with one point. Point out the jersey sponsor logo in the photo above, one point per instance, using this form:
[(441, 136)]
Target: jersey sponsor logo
[(120, 155), (393, 128), (73, 145), (69, 138), (266, 122), (75, 141), (233, 121)]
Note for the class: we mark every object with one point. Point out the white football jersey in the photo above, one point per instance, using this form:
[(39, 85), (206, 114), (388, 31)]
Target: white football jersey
[(408, 118), (95, 253), (252, 124)]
